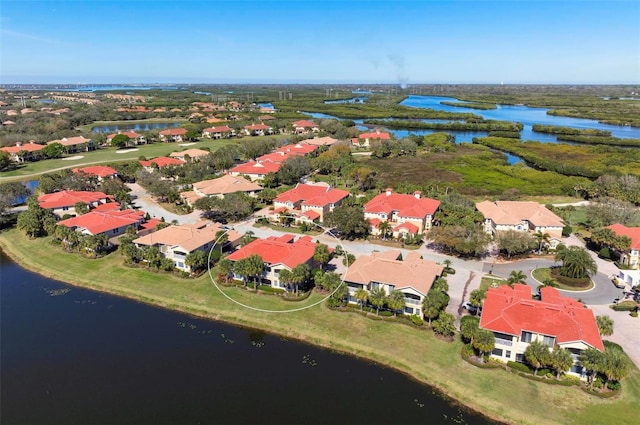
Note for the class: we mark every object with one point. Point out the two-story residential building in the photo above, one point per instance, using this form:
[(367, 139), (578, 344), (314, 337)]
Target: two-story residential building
[(173, 135), (75, 144), (278, 253), (365, 139), (22, 152), (305, 126), (412, 275), (409, 214), (220, 187), (257, 130), (64, 202), (319, 198), (110, 223), (320, 141), (100, 171), (520, 216), (630, 257), (177, 241), (134, 138), (218, 132), (557, 321)]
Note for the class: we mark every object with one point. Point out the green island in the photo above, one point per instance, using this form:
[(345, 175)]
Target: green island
[(414, 351)]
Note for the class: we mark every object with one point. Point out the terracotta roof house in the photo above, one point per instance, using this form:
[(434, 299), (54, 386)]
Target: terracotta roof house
[(111, 223), (8, 123), (320, 198), (399, 209), (172, 134), (136, 138), (266, 117), (631, 257), (299, 149), (218, 132), (365, 139), (161, 161), (75, 144), (190, 154), (177, 241), (411, 275), (305, 126), (320, 141), (257, 130), (31, 151), (255, 170), (63, 202), (278, 253), (522, 217), (100, 171), (224, 185), (557, 321)]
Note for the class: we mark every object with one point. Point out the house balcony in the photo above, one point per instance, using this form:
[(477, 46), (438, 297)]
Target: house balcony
[(411, 301), (504, 342), (179, 257)]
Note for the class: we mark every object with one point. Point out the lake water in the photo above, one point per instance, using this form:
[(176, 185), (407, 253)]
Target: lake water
[(73, 356), (135, 127)]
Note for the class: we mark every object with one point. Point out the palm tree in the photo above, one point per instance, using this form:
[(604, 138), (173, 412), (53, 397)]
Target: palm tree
[(433, 304), (225, 266), (300, 274), (321, 254), (445, 325), (395, 301), (614, 365), (361, 295), (255, 267), (537, 355), (516, 277), (469, 326), (561, 360), (377, 298), (576, 262), (385, 229), (440, 285), (447, 264), (541, 238), (605, 325), (285, 277), (592, 360), (484, 342)]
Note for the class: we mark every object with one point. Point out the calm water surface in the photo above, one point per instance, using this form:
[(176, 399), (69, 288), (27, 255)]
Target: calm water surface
[(135, 127), (72, 356)]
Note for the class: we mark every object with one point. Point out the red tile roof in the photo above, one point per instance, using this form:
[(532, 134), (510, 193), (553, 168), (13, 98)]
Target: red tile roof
[(632, 232), (162, 161), (218, 129), (256, 127), (312, 195), (297, 149), (71, 141), (68, 198), (278, 250), (304, 124), (375, 135), (405, 205), (29, 147), (174, 132), (97, 170), (109, 206), (512, 311), (96, 222), (411, 228), (257, 167), (130, 134)]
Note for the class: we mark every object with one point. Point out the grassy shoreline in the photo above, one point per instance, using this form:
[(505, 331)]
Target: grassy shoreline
[(413, 351)]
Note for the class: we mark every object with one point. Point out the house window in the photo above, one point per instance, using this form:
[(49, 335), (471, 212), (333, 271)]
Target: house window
[(408, 310), (65, 208), (520, 358), (497, 352), (549, 341), (507, 354), (526, 336)]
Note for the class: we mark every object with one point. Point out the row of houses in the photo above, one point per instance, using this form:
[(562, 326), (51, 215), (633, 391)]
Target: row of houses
[(31, 151)]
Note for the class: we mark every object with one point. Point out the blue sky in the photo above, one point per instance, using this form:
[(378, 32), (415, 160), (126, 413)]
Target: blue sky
[(299, 41)]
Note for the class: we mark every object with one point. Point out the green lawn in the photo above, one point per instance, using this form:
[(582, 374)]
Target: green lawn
[(544, 273), (412, 350)]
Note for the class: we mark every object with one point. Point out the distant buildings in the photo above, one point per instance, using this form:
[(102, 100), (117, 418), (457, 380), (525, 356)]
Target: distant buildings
[(630, 257), (408, 214), (64, 202), (318, 199)]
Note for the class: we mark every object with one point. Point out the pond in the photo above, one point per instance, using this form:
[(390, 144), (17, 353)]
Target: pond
[(144, 126), (70, 355)]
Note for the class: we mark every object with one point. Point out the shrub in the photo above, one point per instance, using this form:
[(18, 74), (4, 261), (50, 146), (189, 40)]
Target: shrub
[(416, 320), (625, 306), (521, 367), (466, 351), (605, 253), (567, 230), (386, 313), (614, 385), (634, 313)]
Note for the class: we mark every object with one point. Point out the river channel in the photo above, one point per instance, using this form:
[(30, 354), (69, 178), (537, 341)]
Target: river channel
[(74, 356)]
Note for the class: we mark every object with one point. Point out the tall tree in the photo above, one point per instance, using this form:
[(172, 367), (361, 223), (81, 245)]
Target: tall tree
[(445, 324), (561, 360), (614, 365), (433, 304), (377, 298), (516, 277), (361, 295), (592, 360), (537, 355), (542, 238), (576, 262), (321, 254), (484, 342), (469, 327), (300, 274), (395, 301)]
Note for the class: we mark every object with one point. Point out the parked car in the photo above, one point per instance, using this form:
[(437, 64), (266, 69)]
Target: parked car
[(472, 309)]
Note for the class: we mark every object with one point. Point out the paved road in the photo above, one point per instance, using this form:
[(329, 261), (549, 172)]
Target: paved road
[(144, 201)]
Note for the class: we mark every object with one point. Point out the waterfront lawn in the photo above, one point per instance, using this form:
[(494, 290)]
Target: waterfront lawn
[(414, 351)]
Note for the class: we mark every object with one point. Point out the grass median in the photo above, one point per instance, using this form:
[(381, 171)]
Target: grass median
[(413, 351)]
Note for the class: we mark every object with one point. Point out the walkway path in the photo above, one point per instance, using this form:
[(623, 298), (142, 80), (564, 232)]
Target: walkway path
[(144, 201)]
